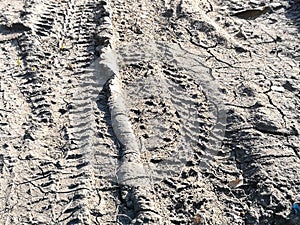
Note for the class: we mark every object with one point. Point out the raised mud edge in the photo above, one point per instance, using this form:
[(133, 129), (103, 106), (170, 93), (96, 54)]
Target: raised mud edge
[(135, 188)]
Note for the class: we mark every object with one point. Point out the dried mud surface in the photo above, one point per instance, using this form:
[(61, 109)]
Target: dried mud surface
[(149, 112)]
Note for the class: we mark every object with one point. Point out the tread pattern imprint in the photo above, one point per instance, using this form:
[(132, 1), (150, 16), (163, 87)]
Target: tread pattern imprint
[(212, 112), (58, 155), (221, 146)]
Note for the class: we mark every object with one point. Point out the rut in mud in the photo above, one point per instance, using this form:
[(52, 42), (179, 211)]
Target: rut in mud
[(62, 149), (229, 143), (149, 112)]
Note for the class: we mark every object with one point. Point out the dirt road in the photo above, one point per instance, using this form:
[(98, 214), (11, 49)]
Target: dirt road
[(149, 112)]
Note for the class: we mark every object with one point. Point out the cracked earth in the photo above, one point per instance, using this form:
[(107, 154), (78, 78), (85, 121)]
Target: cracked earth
[(149, 112)]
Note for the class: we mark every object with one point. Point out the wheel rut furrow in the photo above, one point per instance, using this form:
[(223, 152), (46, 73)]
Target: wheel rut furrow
[(148, 112), (61, 35), (181, 94)]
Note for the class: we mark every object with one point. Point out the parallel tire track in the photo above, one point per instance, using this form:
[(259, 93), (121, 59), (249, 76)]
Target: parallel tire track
[(71, 153)]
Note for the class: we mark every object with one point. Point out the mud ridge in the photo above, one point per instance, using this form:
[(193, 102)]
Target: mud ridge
[(135, 187)]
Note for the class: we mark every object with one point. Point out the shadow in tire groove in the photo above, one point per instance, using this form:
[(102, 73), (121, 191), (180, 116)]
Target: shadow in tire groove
[(293, 13)]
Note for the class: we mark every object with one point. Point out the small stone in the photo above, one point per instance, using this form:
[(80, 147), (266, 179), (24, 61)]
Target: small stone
[(297, 199), (277, 88)]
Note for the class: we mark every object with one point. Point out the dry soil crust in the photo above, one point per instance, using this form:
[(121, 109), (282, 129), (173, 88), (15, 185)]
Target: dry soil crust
[(197, 124)]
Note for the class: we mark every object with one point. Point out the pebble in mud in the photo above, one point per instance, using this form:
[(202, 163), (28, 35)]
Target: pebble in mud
[(198, 219)]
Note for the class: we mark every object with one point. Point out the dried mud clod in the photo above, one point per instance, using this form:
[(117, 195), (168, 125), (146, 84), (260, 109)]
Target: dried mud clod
[(138, 205)]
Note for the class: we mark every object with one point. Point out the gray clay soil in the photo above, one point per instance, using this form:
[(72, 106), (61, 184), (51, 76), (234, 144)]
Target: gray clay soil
[(149, 112)]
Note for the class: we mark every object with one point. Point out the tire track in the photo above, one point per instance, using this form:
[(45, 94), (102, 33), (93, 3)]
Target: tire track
[(69, 151), (179, 114), (260, 124), (65, 180), (182, 91)]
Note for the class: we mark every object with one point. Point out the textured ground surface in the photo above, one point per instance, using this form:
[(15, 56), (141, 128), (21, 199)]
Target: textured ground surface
[(211, 89)]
